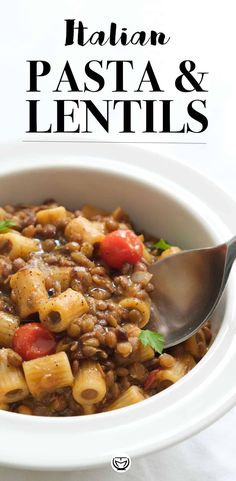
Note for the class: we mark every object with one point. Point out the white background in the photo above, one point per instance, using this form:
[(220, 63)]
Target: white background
[(202, 31)]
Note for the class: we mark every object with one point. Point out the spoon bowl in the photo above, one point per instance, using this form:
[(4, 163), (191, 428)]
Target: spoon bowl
[(187, 288)]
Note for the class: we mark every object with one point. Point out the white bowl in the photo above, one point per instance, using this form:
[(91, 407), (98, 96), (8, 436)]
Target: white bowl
[(159, 205)]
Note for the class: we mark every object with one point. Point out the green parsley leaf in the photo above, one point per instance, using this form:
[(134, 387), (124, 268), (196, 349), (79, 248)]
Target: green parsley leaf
[(6, 224), (153, 339), (162, 245)]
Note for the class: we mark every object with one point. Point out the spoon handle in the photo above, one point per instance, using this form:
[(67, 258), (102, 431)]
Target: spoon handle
[(231, 256)]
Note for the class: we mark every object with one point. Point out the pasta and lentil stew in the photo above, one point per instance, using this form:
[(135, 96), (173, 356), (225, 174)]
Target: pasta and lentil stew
[(74, 306)]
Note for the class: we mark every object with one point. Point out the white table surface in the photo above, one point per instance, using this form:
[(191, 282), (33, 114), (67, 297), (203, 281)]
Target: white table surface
[(210, 455)]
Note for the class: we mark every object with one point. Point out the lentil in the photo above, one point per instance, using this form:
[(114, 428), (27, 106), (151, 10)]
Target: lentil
[(110, 339), (124, 348), (166, 361)]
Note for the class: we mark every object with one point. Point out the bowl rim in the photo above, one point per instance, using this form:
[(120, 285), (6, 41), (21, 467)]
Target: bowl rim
[(27, 428)]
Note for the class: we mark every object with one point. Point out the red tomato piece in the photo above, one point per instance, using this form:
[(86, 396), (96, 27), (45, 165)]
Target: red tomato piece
[(150, 379), (33, 340), (119, 247)]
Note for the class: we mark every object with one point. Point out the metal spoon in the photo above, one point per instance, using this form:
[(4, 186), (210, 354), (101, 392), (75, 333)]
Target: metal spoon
[(187, 288)]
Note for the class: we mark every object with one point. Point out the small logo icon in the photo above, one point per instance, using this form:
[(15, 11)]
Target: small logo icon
[(121, 464)]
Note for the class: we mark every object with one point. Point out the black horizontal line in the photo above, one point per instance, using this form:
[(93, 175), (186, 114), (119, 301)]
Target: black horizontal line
[(114, 142)]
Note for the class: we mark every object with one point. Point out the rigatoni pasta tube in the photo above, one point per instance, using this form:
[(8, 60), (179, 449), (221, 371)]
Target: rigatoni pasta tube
[(12, 382), (28, 290), (83, 229), (196, 345), (89, 409), (8, 326), (145, 353), (132, 395), (48, 373), (182, 365), (58, 312), (51, 216), (16, 245), (141, 306), (61, 275), (89, 385)]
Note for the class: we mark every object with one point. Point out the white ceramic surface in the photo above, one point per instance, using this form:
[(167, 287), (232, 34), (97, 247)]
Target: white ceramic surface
[(177, 204)]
